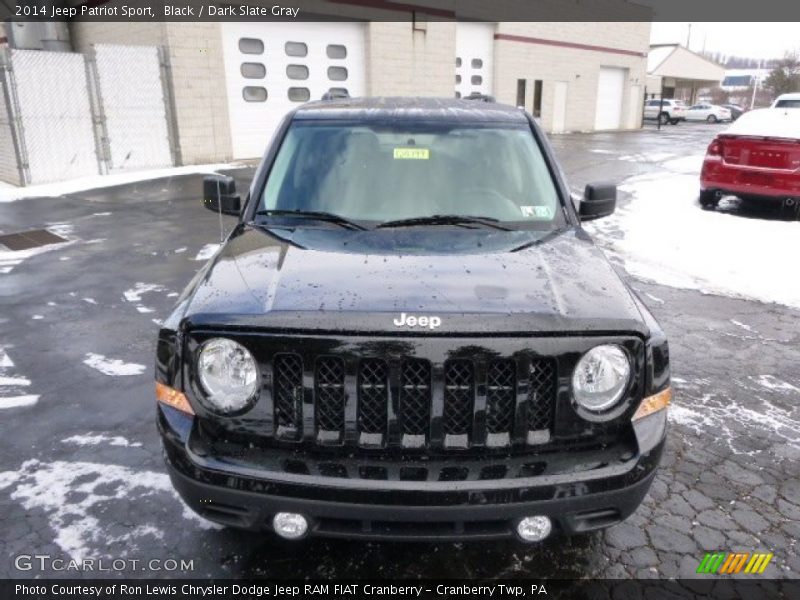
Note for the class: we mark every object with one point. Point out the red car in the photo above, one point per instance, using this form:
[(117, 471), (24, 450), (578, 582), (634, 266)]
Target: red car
[(756, 158)]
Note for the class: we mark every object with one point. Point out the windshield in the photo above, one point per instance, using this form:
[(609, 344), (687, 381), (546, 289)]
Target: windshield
[(378, 173)]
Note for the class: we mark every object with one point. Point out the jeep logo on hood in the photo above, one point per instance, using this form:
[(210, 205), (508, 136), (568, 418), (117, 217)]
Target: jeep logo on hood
[(411, 321)]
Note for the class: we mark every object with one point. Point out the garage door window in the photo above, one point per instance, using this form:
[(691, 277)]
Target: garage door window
[(297, 71), (476, 80), (254, 94), (253, 70), (299, 94), (458, 61), (296, 49), (477, 63), (337, 73), (339, 91), (251, 46), (336, 51)]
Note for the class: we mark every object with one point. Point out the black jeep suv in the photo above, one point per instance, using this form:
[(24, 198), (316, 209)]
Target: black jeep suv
[(409, 335)]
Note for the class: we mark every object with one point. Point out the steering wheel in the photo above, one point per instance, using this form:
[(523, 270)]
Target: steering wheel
[(473, 201)]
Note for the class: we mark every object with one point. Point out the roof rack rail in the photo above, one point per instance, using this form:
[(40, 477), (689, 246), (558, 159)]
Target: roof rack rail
[(335, 94), (479, 96)]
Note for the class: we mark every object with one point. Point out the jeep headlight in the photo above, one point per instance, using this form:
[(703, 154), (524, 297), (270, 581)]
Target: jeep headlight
[(601, 377), (228, 374)]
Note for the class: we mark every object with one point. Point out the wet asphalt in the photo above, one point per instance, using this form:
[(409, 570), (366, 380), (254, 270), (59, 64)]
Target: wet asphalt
[(81, 473)]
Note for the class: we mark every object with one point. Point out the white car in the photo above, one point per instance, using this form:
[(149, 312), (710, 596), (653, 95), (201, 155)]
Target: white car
[(787, 101), (667, 110), (708, 112)]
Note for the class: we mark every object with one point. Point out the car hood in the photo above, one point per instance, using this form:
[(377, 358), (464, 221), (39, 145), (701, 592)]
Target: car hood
[(476, 281)]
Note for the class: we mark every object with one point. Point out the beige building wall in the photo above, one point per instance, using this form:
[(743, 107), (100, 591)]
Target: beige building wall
[(406, 61), (198, 81), (545, 51)]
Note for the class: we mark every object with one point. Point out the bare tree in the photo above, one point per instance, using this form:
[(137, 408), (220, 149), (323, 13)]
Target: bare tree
[(785, 76)]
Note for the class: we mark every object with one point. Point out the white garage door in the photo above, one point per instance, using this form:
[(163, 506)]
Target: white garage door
[(271, 68), (610, 90), (474, 58)]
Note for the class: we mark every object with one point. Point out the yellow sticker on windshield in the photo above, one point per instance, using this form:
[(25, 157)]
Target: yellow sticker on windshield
[(411, 153)]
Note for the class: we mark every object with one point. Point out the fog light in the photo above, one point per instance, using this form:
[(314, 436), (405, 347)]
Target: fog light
[(290, 526), (534, 529)]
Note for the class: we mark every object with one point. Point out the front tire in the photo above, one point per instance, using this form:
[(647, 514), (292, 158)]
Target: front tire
[(708, 199), (712, 119), (674, 121)]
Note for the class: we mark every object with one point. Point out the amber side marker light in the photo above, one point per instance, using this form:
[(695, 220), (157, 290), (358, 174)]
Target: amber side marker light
[(172, 397), (653, 404)]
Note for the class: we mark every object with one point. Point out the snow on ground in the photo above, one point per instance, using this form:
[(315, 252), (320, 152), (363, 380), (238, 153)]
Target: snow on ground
[(112, 366), (71, 493), (10, 259), (135, 293), (718, 412), (11, 193), (664, 236), (207, 251), (98, 439), (12, 385)]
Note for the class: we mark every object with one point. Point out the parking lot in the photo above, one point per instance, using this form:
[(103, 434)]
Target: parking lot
[(81, 473)]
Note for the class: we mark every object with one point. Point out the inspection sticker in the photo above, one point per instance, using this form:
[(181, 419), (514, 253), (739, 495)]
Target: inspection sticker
[(536, 212), (411, 153)]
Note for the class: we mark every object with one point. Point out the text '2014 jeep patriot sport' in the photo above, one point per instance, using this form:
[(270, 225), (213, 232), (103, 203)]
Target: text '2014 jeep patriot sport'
[(408, 335)]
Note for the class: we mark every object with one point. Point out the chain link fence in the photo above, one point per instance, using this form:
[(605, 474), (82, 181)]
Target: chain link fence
[(67, 115)]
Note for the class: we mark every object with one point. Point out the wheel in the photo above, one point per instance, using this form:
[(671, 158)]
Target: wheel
[(708, 199), (674, 121), (663, 118), (712, 119)]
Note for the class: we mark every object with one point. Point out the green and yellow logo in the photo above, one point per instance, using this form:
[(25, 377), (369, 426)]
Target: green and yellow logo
[(734, 562)]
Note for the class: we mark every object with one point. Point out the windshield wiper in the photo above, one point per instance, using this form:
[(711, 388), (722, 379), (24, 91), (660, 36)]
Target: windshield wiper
[(310, 214), (445, 220)]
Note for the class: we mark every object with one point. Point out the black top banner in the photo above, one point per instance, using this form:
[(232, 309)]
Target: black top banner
[(223, 589), (401, 10)]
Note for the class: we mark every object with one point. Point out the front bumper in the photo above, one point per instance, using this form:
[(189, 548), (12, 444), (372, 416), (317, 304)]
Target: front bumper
[(590, 497)]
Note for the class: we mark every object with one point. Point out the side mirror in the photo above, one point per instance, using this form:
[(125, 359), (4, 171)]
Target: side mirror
[(219, 195), (599, 200)]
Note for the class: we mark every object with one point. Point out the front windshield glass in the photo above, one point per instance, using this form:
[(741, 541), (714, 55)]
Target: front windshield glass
[(375, 173)]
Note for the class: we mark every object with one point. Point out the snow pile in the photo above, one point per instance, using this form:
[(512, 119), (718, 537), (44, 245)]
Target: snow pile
[(207, 251), (13, 385), (98, 439), (11, 193), (663, 235), (112, 366)]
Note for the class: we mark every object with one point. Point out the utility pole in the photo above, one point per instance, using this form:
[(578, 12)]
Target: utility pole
[(755, 84), (689, 37)]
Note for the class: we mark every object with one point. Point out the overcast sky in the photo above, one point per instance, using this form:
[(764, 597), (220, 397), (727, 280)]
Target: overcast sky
[(756, 40)]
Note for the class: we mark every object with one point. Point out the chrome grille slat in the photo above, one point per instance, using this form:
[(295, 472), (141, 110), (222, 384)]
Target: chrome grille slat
[(415, 396), (373, 396), (541, 392), (329, 393), (459, 396), (288, 390), (500, 395)]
